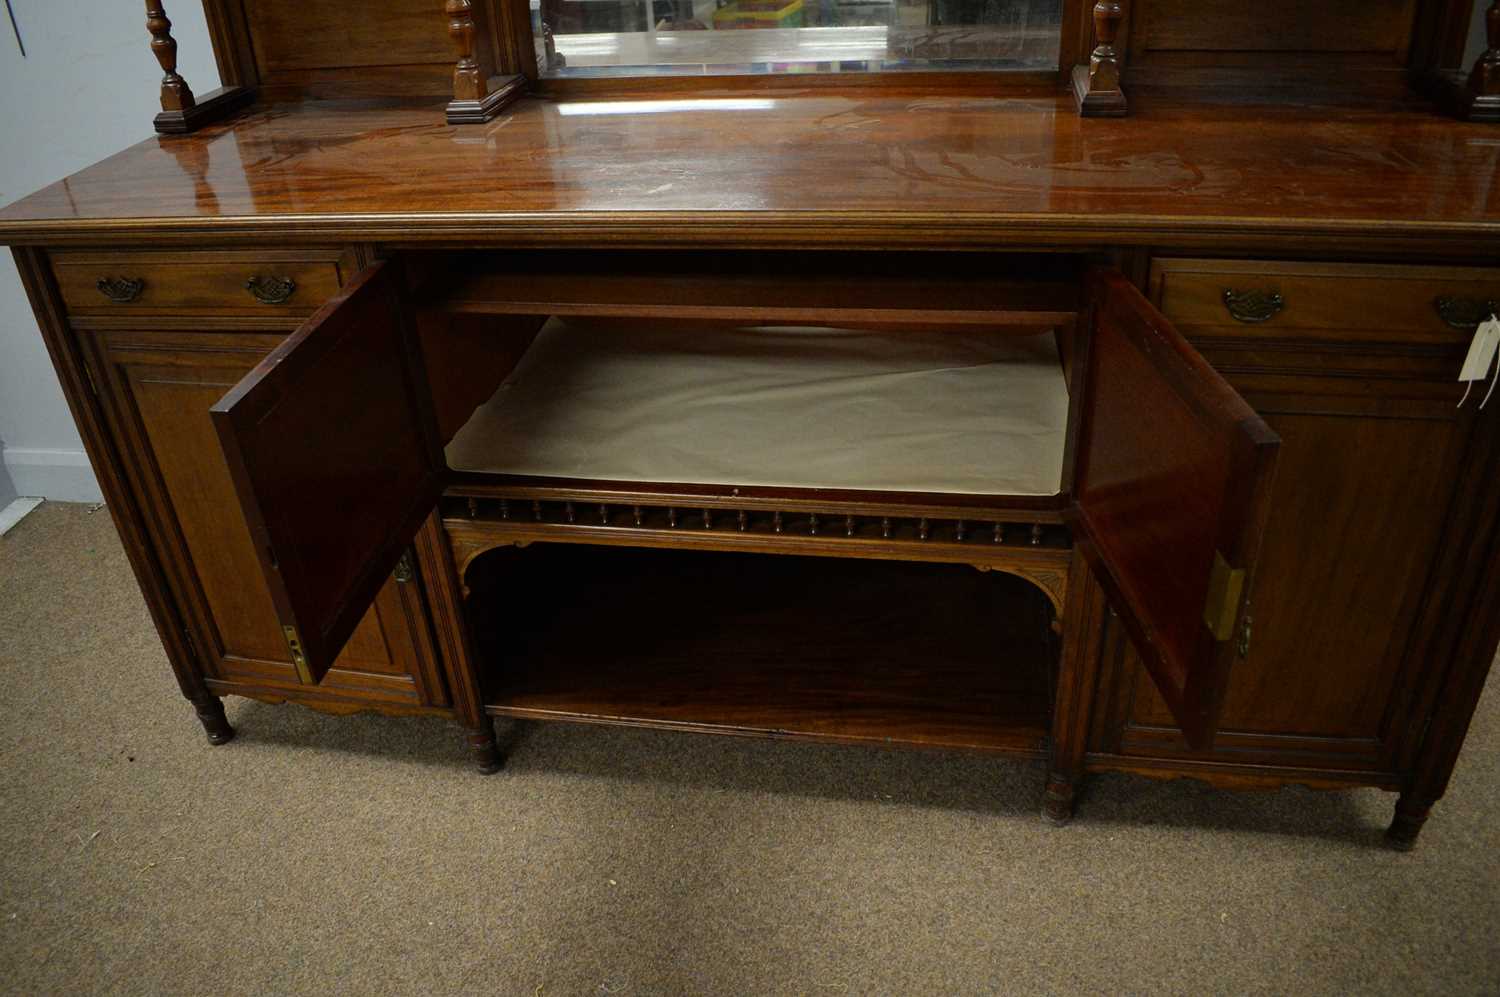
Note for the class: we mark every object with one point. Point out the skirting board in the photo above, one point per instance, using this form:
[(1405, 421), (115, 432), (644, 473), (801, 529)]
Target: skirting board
[(59, 475), (15, 511)]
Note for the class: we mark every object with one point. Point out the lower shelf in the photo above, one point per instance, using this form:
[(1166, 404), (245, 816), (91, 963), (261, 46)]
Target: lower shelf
[(778, 646)]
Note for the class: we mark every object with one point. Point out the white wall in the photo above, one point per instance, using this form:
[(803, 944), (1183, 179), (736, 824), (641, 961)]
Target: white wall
[(86, 89)]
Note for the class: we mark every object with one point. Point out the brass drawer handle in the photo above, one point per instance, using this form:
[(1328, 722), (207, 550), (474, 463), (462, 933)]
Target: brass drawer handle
[(271, 290), (121, 290), (1463, 313), (1252, 306)]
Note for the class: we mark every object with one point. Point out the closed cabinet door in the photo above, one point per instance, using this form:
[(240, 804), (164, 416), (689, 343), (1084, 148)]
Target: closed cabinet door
[(1365, 516), (158, 388)]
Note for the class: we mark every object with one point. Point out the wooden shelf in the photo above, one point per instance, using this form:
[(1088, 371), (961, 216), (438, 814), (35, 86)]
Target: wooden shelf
[(830, 650), (1029, 293)]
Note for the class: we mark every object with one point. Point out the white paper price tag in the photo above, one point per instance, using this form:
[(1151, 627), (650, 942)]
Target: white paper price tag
[(1481, 357)]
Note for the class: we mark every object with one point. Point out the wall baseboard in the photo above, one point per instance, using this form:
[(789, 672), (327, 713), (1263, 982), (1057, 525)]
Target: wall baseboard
[(7, 488), (58, 475)]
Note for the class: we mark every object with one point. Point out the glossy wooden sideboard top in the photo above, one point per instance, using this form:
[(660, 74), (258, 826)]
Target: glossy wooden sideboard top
[(810, 170)]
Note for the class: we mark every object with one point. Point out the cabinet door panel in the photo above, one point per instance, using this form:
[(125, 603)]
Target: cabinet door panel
[(336, 461), (1356, 521), (1360, 518), (1171, 477), (160, 387)]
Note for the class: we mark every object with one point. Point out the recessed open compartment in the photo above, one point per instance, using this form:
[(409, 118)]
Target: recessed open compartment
[(940, 409), (826, 648), (662, 434)]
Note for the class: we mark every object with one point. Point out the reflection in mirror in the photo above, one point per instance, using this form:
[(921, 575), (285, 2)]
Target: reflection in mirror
[(718, 37)]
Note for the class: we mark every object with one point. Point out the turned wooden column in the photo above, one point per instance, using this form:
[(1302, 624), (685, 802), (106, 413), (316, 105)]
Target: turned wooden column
[(1484, 79), (469, 81), (1477, 95), (477, 95), (1097, 85), (176, 95)]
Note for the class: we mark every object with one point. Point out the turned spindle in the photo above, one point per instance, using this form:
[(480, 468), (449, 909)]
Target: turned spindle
[(469, 82), (1036, 534), (569, 512), (744, 520), (672, 517), (959, 530), (848, 526), (473, 508), (1484, 80), (885, 527), (638, 514), (505, 508), (922, 529), (708, 519), (604, 515), (812, 523), (999, 533), (175, 93), (536, 510), (776, 523), (1097, 85)]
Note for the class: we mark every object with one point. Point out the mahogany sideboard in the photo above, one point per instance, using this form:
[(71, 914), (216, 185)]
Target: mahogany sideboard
[(1271, 555)]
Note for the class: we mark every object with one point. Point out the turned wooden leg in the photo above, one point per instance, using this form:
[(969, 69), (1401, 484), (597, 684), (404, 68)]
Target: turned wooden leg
[(1057, 801), (210, 712), (1411, 814), (482, 748)]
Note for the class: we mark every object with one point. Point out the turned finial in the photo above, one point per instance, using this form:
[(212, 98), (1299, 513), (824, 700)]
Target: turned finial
[(468, 79), (1104, 61), (1097, 85), (1485, 77), (175, 93)]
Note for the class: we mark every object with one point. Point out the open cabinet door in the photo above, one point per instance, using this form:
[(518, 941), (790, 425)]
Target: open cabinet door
[(334, 452), (1171, 488)]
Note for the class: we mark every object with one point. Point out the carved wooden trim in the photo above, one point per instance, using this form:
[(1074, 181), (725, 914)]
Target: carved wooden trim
[(1036, 552), (1096, 86)]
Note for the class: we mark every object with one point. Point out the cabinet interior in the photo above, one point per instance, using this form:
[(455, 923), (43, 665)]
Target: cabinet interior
[(824, 648), (804, 421), (898, 376)]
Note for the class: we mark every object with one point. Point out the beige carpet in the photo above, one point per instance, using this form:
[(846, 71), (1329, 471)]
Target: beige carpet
[(360, 855)]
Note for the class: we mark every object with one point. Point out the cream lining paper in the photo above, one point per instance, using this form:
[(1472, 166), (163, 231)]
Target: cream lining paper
[(961, 412)]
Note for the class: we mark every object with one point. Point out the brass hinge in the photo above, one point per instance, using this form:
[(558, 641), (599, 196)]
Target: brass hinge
[(1225, 585), (294, 644), (404, 570)]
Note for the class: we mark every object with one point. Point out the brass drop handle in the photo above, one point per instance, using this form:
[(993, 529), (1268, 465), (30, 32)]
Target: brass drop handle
[(121, 290), (271, 290), (1254, 306), (1463, 313)]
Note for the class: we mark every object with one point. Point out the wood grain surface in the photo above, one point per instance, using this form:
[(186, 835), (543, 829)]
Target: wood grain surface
[(801, 171)]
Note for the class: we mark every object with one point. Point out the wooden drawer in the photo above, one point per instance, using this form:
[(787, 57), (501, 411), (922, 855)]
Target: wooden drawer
[(270, 283), (1240, 299)]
